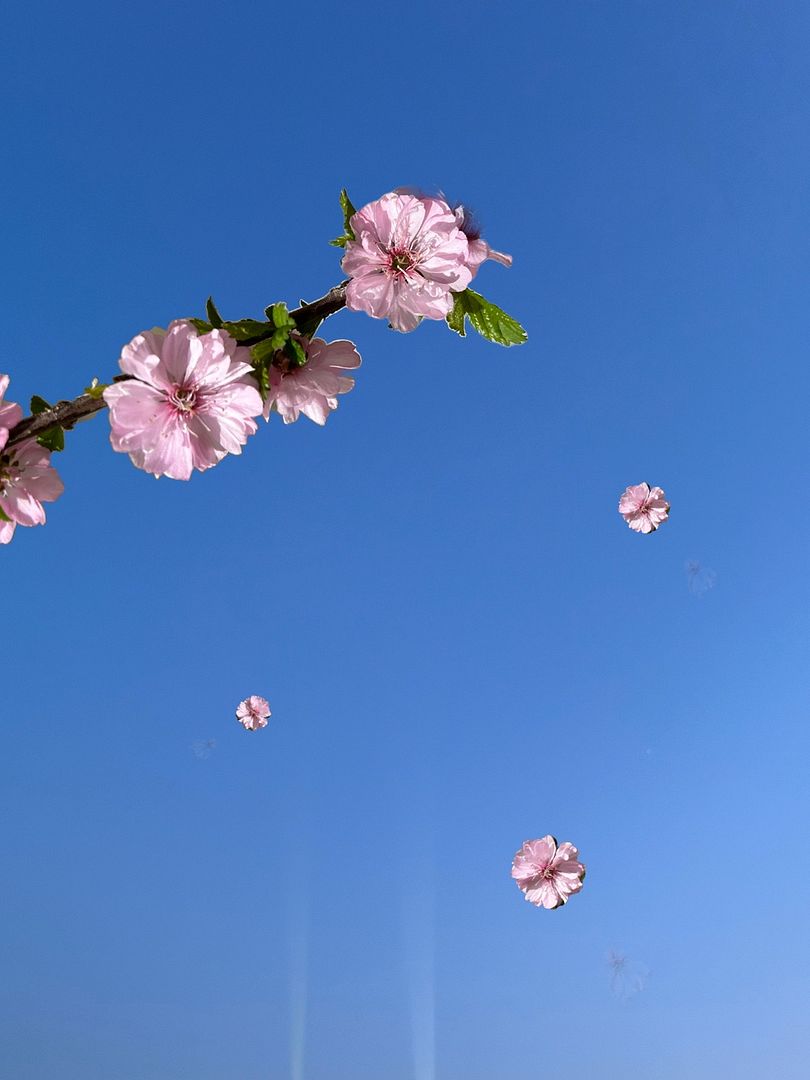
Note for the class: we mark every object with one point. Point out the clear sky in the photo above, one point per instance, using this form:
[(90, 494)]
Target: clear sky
[(463, 645)]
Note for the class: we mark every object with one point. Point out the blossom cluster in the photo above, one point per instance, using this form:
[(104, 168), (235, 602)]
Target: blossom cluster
[(190, 395)]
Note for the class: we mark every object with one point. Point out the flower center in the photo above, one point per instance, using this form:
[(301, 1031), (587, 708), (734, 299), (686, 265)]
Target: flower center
[(547, 872), (184, 398), (400, 262)]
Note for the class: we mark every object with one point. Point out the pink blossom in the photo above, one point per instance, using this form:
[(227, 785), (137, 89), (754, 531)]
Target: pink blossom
[(478, 249), (546, 873), (643, 507), (252, 713), (406, 260), (192, 400), (10, 414), (313, 388), (27, 480)]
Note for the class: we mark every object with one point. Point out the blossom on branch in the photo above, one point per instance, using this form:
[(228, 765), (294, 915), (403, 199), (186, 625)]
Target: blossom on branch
[(27, 480), (252, 713), (478, 250), (546, 873), (191, 401), (312, 388), (10, 412), (407, 259), (643, 508)]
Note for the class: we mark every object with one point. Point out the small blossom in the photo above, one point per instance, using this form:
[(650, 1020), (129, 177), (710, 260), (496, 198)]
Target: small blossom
[(313, 388), (192, 400), (643, 508), (478, 250), (27, 480), (10, 413), (628, 977), (252, 713), (546, 873), (407, 259)]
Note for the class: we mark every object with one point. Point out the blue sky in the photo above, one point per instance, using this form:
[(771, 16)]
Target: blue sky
[(463, 645)]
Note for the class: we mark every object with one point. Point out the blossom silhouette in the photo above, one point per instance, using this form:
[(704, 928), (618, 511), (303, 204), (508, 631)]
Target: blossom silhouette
[(627, 977), (643, 508), (699, 578), (312, 388), (547, 873), (27, 480), (252, 713), (10, 413), (407, 259), (191, 401)]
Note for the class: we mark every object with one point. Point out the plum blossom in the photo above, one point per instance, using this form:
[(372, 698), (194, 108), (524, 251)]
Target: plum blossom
[(27, 480), (191, 400), (407, 259), (252, 713), (10, 413), (313, 388), (478, 250), (643, 508), (546, 873)]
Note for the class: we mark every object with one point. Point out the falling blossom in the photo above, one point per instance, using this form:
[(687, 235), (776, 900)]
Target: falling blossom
[(10, 413), (313, 388), (407, 259), (627, 977), (643, 508), (203, 749), (699, 579), (547, 873), (252, 713), (478, 250), (27, 480), (190, 402)]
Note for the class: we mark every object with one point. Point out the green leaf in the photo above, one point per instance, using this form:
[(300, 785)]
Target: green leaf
[(247, 329), (3, 515), (348, 213), (53, 438), (214, 316), (309, 329), (95, 389), (201, 326), (488, 319), (280, 317), (263, 351), (39, 405), (295, 351)]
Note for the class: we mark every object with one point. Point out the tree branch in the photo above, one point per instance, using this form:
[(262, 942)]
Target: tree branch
[(68, 413)]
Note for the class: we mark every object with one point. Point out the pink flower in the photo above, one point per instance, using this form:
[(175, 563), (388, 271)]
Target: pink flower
[(406, 260), (643, 507), (546, 873), (478, 250), (252, 713), (313, 388), (191, 401), (10, 414), (27, 480)]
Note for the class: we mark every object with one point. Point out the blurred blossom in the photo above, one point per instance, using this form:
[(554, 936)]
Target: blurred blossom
[(627, 977), (699, 579), (10, 413), (548, 874), (252, 713), (643, 508), (202, 750)]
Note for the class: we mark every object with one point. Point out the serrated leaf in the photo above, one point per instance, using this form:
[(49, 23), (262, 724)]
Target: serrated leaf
[(53, 438), (488, 319), (246, 329), (455, 320), (262, 352), (214, 317), (348, 213), (39, 405)]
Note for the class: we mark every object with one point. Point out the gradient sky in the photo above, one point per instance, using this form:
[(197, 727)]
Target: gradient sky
[(463, 645)]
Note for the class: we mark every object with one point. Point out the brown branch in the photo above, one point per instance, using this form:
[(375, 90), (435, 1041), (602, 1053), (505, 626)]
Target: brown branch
[(68, 413)]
